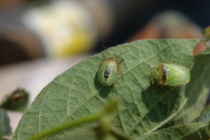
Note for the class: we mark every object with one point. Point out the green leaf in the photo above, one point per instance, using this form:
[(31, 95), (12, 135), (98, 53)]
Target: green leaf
[(194, 131), (145, 106), (5, 123), (204, 116), (199, 87)]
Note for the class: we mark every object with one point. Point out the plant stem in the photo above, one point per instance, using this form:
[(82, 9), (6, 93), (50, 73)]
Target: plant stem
[(119, 134), (68, 125)]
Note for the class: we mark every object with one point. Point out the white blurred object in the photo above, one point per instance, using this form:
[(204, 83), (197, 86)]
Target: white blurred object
[(33, 77), (63, 27)]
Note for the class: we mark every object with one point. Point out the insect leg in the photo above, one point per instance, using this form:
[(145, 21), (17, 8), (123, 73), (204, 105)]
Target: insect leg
[(120, 54), (120, 61), (119, 70)]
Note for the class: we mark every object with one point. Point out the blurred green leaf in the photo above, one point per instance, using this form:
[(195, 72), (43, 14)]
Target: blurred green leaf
[(145, 106), (5, 123), (16, 101)]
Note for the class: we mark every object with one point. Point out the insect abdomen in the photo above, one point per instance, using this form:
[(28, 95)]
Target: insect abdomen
[(107, 73)]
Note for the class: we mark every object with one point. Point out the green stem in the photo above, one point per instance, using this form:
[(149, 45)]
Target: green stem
[(120, 135), (68, 125)]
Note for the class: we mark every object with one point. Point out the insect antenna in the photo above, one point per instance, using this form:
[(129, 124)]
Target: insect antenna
[(106, 51), (119, 55)]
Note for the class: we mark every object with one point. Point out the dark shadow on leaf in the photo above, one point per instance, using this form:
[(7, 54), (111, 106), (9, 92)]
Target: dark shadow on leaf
[(105, 91), (160, 101)]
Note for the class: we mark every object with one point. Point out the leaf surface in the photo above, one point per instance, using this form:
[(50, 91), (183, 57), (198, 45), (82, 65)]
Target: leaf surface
[(194, 131), (145, 105)]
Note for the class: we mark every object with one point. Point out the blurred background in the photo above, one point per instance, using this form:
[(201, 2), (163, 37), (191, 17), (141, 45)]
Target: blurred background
[(41, 39)]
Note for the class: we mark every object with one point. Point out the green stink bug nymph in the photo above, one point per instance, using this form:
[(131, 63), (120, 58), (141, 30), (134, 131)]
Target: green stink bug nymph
[(171, 74), (109, 70), (206, 34)]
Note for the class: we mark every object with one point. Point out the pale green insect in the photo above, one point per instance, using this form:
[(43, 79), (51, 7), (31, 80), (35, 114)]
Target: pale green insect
[(109, 70), (206, 32), (171, 74)]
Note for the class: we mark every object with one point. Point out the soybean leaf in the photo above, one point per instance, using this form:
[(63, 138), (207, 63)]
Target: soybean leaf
[(145, 105), (194, 131), (199, 88)]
